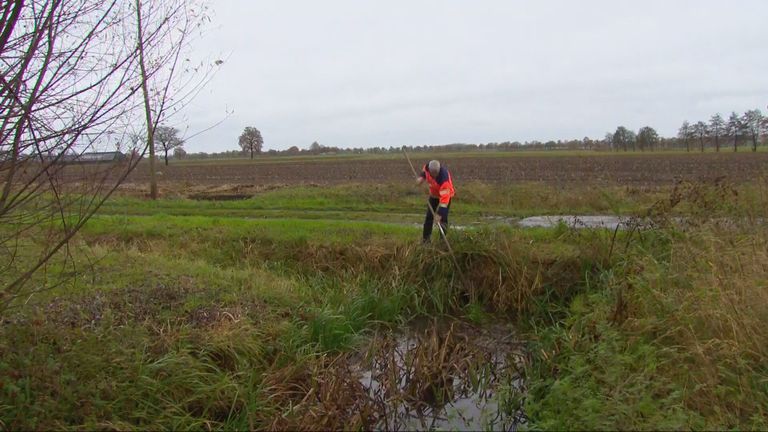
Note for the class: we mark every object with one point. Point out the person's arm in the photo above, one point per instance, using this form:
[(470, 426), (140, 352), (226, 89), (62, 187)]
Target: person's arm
[(445, 199), (421, 178)]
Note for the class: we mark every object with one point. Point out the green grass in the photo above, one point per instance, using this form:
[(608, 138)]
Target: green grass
[(210, 229), (405, 203), (671, 339), (475, 203), (188, 321), (218, 321)]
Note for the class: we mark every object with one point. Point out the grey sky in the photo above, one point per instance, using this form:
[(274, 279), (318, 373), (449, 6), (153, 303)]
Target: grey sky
[(357, 73)]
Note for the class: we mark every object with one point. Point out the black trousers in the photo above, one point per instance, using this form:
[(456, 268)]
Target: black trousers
[(430, 219)]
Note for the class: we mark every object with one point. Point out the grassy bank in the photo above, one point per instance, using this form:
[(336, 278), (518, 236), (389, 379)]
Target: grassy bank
[(223, 322), (196, 322), (404, 203), (473, 201)]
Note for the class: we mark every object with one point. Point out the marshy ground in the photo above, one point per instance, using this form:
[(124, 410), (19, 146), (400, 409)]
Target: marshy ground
[(315, 307)]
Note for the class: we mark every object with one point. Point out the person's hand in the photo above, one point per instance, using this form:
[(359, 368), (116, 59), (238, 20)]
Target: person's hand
[(439, 218), (419, 180)]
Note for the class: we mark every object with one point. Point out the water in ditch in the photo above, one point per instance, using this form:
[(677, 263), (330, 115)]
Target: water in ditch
[(445, 376)]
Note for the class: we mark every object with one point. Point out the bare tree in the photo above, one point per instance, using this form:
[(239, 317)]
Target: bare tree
[(685, 133), (700, 130), (716, 128), (167, 139), (60, 95), (251, 141), (608, 141), (752, 122), (70, 84), (764, 127), (733, 129), (164, 31)]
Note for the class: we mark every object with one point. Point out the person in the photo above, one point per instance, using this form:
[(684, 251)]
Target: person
[(441, 193)]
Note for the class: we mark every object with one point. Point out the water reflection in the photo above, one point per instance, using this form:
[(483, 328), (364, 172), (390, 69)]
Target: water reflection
[(445, 376)]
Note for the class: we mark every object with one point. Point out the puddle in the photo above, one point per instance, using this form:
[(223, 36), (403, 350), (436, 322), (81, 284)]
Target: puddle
[(609, 222), (445, 376)]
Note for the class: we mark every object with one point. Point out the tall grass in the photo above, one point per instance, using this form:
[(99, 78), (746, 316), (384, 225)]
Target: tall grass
[(212, 323), (671, 336), (188, 324)]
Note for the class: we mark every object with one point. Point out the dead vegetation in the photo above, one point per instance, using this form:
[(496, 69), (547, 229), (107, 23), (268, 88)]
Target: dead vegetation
[(640, 170)]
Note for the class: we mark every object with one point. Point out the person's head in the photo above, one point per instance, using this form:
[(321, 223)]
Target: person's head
[(434, 168)]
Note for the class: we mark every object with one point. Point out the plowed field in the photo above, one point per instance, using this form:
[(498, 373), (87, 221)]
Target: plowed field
[(636, 169)]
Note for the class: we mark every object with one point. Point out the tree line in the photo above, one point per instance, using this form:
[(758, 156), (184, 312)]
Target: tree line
[(749, 128)]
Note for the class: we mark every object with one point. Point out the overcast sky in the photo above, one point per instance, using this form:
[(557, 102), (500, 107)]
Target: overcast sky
[(358, 73)]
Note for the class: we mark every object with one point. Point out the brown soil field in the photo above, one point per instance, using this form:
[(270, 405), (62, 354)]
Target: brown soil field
[(636, 169)]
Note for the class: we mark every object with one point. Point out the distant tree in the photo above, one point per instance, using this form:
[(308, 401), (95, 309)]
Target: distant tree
[(667, 143), (179, 153), (251, 141), (716, 128), (608, 141), (752, 122), (315, 148), (624, 138), (647, 138), (764, 127), (733, 129), (166, 140), (617, 140), (700, 130), (685, 133), (293, 150)]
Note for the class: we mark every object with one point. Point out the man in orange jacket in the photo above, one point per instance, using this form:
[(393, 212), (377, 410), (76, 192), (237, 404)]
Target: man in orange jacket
[(440, 194)]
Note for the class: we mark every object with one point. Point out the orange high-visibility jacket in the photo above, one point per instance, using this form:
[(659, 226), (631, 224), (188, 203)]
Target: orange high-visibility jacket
[(440, 187)]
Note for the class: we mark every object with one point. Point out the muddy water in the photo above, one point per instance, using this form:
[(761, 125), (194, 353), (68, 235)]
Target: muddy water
[(445, 376), (571, 221), (610, 222)]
